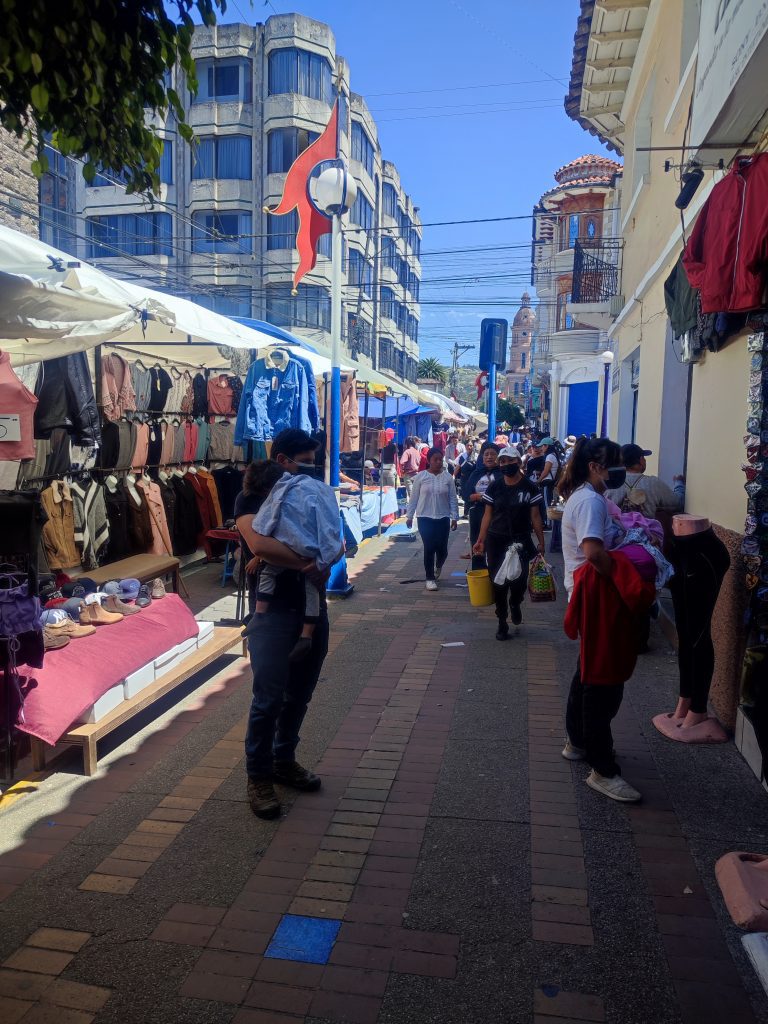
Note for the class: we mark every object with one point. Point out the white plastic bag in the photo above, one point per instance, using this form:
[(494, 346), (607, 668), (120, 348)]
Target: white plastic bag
[(510, 568)]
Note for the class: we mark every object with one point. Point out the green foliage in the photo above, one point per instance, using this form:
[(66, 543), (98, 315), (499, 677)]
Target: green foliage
[(88, 72), (432, 369), (506, 412)]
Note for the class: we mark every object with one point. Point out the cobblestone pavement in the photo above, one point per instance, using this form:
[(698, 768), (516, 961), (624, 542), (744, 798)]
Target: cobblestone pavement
[(453, 869)]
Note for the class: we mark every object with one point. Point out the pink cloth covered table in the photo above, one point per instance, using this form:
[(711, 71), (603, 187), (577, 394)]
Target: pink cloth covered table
[(74, 677)]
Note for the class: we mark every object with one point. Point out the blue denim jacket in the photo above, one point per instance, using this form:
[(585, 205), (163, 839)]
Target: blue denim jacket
[(266, 410)]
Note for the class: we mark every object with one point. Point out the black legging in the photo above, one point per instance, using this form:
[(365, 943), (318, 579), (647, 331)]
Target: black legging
[(701, 560), (434, 535), (476, 512), (514, 591)]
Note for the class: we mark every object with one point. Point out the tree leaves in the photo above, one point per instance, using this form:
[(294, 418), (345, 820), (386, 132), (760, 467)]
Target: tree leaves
[(86, 75)]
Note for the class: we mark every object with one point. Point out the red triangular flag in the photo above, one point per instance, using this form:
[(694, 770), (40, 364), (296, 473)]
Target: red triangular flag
[(312, 223)]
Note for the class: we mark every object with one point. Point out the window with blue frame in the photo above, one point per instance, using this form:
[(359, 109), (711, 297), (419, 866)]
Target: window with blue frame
[(227, 301), (389, 200), (362, 147), (415, 242), (404, 223), (302, 72), (388, 303), (358, 335), (360, 272), (402, 272), (324, 244), (401, 316), (135, 234), (522, 360), (284, 145), (573, 229), (222, 232), (224, 81), (121, 177), (413, 327), (222, 156), (166, 163), (362, 212), (310, 308), (389, 253), (414, 286), (281, 231), (344, 113), (57, 224)]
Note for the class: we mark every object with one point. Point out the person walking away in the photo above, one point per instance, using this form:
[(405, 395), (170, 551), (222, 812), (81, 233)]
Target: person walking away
[(512, 510), (472, 492), (547, 475), (409, 463), (618, 596), (434, 503), (282, 689), (642, 492)]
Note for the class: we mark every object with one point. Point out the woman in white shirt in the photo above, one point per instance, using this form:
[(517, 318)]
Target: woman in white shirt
[(434, 503)]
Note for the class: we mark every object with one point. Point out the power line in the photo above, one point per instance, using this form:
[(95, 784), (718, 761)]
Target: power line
[(458, 88)]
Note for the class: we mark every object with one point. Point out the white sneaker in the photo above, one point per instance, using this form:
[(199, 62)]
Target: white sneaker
[(571, 753), (431, 584), (615, 788)]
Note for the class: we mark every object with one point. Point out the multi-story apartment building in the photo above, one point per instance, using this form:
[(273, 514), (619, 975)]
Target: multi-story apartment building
[(265, 93), (575, 271)]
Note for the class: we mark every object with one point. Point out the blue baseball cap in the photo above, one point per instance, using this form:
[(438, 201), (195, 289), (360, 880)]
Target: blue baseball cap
[(129, 589)]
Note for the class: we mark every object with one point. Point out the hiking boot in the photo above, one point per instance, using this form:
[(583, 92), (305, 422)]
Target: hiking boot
[(614, 788), (263, 799), (290, 773), (571, 753), (516, 614), (503, 631), (158, 589)]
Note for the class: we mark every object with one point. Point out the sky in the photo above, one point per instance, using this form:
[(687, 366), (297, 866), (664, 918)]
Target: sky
[(468, 98)]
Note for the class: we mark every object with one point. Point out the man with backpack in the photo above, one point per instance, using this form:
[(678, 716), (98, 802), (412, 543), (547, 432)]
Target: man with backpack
[(642, 492)]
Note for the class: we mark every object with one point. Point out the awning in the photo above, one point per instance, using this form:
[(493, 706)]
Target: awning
[(387, 409)]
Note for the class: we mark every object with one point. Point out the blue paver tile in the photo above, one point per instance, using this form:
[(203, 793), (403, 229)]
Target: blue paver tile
[(306, 939)]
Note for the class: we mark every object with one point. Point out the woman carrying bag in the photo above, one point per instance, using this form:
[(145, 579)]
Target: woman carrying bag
[(512, 511)]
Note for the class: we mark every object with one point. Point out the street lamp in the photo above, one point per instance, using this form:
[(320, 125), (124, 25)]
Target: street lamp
[(333, 192), (607, 359)]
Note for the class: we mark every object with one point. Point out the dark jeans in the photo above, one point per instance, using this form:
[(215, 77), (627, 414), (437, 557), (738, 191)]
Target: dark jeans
[(588, 717), (514, 591), (434, 535), (281, 690), (476, 511), (548, 490), (701, 561)]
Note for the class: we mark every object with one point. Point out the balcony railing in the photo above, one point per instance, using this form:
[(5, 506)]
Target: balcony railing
[(595, 270)]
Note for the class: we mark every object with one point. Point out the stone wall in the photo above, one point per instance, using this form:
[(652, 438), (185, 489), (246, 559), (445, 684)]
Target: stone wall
[(18, 186)]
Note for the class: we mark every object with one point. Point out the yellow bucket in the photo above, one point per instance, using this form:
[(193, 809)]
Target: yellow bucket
[(480, 588)]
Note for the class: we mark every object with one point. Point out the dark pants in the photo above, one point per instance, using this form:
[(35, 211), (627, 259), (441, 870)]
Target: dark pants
[(701, 561), (514, 591), (476, 511), (548, 490), (434, 536), (588, 717), (281, 690)]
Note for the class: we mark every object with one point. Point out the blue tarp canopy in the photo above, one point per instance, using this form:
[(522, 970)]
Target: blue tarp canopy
[(388, 408), (274, 332)]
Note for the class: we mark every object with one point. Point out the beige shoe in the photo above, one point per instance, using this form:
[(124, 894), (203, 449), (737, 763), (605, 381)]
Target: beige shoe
[(158, 589), (94, 615), (71, 629), (52, 640), (114, 605)]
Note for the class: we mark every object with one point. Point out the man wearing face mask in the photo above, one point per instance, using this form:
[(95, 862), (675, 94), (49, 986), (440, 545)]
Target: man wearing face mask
[(512, 511), (282, 685)]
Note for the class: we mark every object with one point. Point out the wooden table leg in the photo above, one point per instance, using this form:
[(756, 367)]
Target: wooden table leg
[(38, 754), (90, 757)]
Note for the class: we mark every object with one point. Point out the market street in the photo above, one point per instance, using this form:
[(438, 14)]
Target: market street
[(458, 868)]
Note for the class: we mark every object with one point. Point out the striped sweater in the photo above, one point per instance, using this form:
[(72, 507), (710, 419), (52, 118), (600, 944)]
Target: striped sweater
[(91, 523)]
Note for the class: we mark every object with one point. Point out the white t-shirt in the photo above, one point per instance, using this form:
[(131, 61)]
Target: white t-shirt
[(586, 517), (551, 460)]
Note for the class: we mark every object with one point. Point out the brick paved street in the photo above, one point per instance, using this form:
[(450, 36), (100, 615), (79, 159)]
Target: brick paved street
[(454, 867)]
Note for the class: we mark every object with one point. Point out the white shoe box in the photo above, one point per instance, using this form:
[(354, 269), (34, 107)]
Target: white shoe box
[(164, 662), (139, 680), (108, 701), (180, 652), (204, 633)]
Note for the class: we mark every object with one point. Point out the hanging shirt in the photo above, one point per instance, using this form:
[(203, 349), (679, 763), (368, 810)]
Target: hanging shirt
[(91, 523), (273, 400), (17, 414), (161, 385), (220, 395)]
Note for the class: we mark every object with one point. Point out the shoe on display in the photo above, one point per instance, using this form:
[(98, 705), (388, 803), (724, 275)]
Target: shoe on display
[(53, 640), (117, 607), (158, 589), (94, 615), (571, 753), (71, 629), (144, 597), (291, 773), (516, 614), (431, 584), (614, 788), (262, 798)]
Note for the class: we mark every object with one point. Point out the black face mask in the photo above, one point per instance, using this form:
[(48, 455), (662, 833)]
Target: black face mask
[(305, 468), (617, 477), (511, 470)]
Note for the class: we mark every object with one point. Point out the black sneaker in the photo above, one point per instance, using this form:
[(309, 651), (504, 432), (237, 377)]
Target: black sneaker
[(503, 631), (290, 773), (262, 798), (516, 614), (144, 597)]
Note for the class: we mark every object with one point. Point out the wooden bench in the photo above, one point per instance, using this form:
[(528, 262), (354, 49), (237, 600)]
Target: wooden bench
[(87, 736), (143, 568)]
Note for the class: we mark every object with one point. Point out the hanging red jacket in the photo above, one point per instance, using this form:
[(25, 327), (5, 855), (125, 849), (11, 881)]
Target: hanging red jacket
[(605, 612), (727, 253)]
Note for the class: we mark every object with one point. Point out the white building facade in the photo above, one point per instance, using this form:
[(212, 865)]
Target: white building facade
[(265, 93)]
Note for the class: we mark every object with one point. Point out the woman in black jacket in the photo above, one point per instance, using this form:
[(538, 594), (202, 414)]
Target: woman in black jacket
[(472, 491)]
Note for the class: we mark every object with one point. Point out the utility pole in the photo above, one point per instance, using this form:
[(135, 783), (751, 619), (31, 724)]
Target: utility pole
[(458, 350)]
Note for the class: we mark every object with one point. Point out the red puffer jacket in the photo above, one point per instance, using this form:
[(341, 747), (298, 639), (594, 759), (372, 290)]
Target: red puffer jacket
[(727, 253)]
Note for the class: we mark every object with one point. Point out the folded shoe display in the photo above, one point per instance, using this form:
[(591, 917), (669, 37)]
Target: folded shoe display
[(158, 589)]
